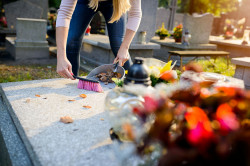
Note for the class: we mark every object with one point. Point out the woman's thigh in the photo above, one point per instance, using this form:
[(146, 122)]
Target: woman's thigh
[(116, 30), (80, 20)]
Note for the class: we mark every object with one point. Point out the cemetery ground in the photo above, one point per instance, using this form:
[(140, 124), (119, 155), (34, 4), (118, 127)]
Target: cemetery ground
[(15, 72), (11, 71)]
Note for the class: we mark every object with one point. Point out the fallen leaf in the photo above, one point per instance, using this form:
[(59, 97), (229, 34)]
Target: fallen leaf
[(102, 119), (83, 95), (71, 100), (37, 95), (28, 100), (87, 106), (66, 119)]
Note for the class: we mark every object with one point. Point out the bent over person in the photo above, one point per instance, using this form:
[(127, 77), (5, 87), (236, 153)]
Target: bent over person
[(73, 19)]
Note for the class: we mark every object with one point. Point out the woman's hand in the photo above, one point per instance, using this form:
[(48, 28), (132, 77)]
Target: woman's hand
[(122, 56), (64, 67)]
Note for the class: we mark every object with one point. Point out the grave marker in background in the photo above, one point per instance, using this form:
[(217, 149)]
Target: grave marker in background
[(25, 9)]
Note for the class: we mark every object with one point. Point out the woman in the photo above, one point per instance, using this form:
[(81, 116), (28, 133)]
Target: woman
[(70, 30)]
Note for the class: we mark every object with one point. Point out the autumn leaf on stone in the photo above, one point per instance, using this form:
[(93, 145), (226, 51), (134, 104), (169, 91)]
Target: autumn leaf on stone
[(37, 95), (27, 101), (83, 95), (102, 119), (66, 119), (72, 100), (87, 106)]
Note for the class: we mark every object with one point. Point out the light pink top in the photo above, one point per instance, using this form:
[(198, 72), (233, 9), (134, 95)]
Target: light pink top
[(67, 8)]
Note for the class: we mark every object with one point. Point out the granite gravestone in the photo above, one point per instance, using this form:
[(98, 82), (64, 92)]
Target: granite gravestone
[(30, 42), (148, 21), (25, 9), (162, 16), (200, 27)]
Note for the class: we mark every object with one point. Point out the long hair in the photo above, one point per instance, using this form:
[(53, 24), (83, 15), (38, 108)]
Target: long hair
[(119, 8)]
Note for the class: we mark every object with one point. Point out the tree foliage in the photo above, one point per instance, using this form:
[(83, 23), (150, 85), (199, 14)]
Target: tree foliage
[(212, 6), (164, 3), (54, 3)]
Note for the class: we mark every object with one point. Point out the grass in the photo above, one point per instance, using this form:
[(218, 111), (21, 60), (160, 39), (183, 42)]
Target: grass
[(220, 66), (10, 73)]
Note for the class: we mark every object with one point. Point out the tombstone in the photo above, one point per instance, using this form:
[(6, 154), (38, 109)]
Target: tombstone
[(242, 70), (31, 40), (25, 9), (162, 16), (200, 27), (148, 21)]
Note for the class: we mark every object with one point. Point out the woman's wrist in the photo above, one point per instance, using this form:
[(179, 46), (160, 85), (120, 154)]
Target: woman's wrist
[(124, 46)]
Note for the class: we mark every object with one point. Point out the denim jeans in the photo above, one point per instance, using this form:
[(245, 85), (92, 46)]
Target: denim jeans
[(79, 23)]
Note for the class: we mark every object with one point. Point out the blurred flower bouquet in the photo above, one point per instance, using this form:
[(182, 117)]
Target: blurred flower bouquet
[(162, 32), (177, 35), (52, 20), (159, 72), (193, 124), (229, 30)]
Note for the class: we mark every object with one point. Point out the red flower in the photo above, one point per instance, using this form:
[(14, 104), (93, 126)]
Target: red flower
[(200, 130), (226, 117), (150, 104)]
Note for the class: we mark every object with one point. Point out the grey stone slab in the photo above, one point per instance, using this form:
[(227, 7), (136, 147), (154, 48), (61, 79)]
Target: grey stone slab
[(50, 142), (239, 72), (31, 30), (103, 42), (246, 77), (23, 9), (244, 61), (24, 53), (13, 151)]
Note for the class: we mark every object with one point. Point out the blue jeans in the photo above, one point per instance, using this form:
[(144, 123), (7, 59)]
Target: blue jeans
[(79, 23)]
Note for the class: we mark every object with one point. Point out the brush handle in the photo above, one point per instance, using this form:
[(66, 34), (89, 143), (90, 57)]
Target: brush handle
[(85, 79), (115, 66)]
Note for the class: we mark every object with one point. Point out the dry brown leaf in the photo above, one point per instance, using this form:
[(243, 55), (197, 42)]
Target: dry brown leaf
[(83, 95), (28, 100), (102, 119), (37, 95), (66, 119), (87, 106), (71, 100)]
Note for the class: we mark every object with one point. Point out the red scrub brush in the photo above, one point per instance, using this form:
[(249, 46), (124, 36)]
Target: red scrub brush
[(88, 84)]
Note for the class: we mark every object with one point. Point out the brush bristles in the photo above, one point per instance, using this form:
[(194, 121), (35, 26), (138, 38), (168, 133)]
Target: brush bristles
[(91, 86)]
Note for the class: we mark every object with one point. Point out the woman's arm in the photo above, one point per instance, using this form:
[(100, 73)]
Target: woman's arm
[(64, 67), (65, 12), (134, 19)]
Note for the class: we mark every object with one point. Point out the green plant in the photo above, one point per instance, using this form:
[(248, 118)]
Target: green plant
[(162, 32), (220, 67), (178, 32)]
